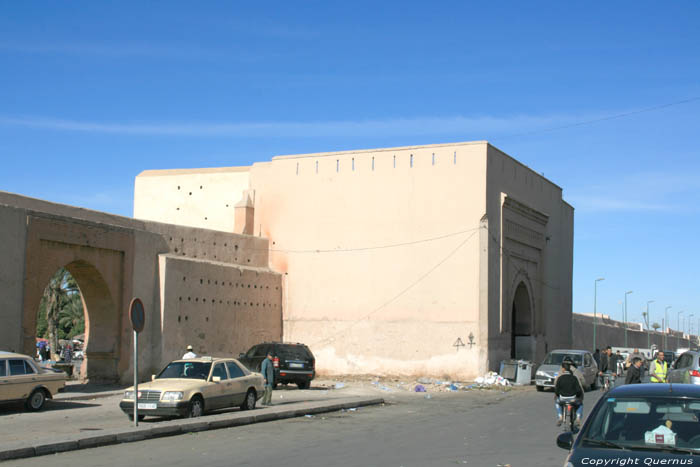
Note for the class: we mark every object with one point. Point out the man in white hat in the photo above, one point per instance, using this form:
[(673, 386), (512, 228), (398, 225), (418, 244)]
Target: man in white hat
[(189, 353)]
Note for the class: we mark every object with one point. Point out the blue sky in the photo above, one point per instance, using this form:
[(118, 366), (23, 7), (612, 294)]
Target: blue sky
[(93, 93)]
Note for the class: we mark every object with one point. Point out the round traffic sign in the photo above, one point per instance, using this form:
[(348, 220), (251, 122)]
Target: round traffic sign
[(137, 315)]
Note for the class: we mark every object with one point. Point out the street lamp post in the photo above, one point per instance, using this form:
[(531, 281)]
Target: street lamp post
[(678, 323), (626, 294), (648, 319), (690, 324), (666, 326), (595, 305)]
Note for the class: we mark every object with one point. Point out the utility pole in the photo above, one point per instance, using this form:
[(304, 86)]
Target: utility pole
[(666, 327), (690, 325), (626, 294), (595, 304), (678, 323), (648, 319)]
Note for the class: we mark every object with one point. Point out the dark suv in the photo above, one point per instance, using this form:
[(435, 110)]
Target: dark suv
[(293, 363)]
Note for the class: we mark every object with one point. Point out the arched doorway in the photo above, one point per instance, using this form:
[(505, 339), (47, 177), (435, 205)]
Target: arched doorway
[(521, 324), (102, 328), (61, 322)]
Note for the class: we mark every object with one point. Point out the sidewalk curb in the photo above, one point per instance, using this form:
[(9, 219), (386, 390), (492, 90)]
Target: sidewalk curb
[(64, 396), (178, 427)]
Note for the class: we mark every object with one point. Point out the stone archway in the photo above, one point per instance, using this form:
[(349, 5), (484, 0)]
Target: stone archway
[(522, 335), (101, 319), (101, 323), (101, 274)]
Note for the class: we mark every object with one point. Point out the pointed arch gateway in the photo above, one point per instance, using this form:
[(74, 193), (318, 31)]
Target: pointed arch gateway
[(101, 321), (522, 322), (100, 275)]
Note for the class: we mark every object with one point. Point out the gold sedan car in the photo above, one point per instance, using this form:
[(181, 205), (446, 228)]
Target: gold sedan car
[(23, 380), (188, 388)]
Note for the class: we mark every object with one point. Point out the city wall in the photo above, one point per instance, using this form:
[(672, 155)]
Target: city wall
[(114, 259), (395, 248), (612, 333)]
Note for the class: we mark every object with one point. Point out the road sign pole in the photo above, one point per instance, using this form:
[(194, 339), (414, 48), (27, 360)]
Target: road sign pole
[(136, 378)]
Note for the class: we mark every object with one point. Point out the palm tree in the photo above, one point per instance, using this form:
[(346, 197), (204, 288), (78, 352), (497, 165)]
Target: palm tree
[(71, 318), (58, 293)]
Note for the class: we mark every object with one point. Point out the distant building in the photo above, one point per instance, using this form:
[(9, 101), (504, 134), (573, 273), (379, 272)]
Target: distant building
[(424, 260)]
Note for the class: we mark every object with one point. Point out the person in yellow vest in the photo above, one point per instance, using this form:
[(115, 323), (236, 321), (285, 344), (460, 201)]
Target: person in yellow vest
[(659, 368)]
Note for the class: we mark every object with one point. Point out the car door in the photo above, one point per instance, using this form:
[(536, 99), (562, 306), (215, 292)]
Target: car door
[(680, 370), (22, 378), (5, 387), (588, 369), (238, 383), (218, 392)]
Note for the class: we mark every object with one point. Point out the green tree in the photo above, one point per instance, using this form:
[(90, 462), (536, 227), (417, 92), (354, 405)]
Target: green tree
[(41, 324), (71, 319), (656, 326), (57, 295)]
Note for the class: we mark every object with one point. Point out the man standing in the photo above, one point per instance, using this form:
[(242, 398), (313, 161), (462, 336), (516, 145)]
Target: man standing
[(634, 372), (608, 364), (268, 373), (658, 368), (67, 353), (596, 357), (189, 354)]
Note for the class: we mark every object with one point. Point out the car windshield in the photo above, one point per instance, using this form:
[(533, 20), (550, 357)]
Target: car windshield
[(555, 358), (188, 370), (661, 423)]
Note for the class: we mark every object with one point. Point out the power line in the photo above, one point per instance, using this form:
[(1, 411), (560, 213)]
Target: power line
[(609, 117), (402, 292), (392, 245)]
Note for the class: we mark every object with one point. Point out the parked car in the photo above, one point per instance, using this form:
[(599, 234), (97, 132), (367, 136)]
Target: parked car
[(189, 388), (646, 423), (549, 369), (293, 363), (686, 369), (22, 379)]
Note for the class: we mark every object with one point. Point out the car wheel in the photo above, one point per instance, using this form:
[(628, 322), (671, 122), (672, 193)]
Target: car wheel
[(274, 385), (196, 407), (540, 388), (36, 400), (131, 417), (250, 399), (304, 384), (594, 384)]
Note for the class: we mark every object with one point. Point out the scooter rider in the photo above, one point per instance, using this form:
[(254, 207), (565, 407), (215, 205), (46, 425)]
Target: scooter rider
[(567, 387)]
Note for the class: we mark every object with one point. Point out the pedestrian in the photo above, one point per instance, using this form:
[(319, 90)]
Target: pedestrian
[(658, 368), (634, 372), (596, 357), (67, 354), (607, 365), (189, 354), (618, 363), (267, 370)]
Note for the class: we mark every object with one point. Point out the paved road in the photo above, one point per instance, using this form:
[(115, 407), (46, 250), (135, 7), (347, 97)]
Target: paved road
[(477, 428), (95, 415)]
